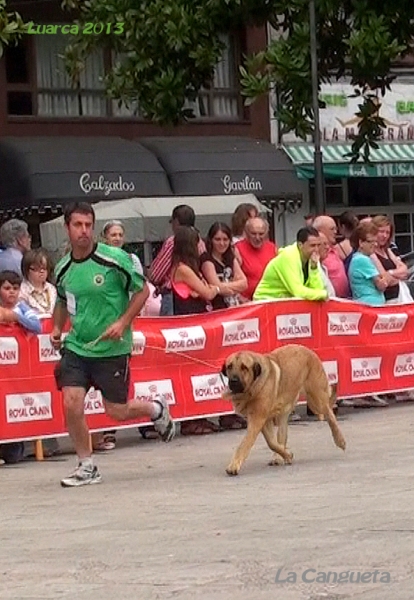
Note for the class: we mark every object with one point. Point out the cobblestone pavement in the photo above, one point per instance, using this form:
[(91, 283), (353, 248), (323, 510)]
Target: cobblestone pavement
[(167, 523)]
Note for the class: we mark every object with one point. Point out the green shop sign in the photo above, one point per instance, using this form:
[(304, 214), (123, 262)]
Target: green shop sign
[(341, 170), (334, 99), (404, 107)]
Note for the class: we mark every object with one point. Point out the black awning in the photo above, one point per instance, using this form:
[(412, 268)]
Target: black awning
[(14, 184), (225, 165), (50, 171)]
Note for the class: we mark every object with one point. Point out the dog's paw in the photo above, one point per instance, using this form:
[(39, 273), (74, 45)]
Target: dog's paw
[(232, 470), (276, 461), (288, 459)]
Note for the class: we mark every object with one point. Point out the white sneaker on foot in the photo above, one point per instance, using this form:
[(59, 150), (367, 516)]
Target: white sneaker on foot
[(82, 476), (164, 424)]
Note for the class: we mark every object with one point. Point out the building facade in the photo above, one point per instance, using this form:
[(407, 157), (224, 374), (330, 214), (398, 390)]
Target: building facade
[(386, 184), (58, 143)]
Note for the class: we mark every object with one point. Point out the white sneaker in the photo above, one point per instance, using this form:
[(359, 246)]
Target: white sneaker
[(164, 424), (82, 476)]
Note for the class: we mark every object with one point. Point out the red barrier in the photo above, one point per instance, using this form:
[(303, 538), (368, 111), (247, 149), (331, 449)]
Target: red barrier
[(364, 349)]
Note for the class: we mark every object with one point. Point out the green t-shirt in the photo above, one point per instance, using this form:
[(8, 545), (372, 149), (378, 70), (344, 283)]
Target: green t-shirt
[(96, 292)]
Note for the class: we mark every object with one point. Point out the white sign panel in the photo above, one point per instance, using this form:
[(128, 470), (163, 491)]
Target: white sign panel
[(245, 331), (184, 339), (147, 391), (366, 369), (207, 387), (339, 121), (28, 407), (293, 326), (9, 351)]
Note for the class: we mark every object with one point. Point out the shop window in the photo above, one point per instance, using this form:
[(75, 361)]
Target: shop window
[(55, 96), (43, 88), (19, 103), (19, 79), (222, 99), (17, 64), (368, 191), (402, 190), (404, 232), (333, 193)]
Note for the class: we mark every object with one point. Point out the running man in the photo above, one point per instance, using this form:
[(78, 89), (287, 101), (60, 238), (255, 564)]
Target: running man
[(94, 284)]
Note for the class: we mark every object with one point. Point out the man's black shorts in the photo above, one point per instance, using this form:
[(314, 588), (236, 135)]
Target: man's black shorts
[(110, 376)]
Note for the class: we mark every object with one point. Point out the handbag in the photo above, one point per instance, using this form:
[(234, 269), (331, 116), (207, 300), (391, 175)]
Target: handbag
[(404, 294)]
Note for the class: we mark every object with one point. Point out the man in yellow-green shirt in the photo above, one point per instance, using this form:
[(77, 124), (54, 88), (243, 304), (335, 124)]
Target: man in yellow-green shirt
[(294, 272)]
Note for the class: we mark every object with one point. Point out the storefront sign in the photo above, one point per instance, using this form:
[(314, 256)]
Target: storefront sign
[(339, 121), (247, 184), (106, 186), (338, 171)]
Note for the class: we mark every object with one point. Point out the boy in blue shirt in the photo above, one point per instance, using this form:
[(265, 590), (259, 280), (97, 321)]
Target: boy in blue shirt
[(13, 310)]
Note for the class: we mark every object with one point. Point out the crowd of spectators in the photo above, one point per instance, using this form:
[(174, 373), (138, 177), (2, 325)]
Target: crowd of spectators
[(344, 258)]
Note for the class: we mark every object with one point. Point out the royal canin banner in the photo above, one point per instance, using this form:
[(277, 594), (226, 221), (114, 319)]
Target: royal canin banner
[(364, 350)]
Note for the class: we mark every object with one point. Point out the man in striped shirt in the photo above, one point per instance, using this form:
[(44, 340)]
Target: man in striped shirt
[(160, 270)]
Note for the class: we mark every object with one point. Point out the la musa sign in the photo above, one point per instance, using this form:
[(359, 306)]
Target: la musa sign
[(337, 171)]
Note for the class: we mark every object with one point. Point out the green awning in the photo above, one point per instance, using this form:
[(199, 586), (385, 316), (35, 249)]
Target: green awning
[(390, 160)]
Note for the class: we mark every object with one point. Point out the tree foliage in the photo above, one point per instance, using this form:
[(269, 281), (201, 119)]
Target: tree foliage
[(358, 39), (168, 52), (12, 27)]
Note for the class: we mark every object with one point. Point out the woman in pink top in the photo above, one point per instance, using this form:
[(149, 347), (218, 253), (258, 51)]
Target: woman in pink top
[(254, 253)]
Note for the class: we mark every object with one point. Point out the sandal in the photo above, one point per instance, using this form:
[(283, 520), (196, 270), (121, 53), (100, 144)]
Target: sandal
[(106, 443), (229, 422), (199, 427)]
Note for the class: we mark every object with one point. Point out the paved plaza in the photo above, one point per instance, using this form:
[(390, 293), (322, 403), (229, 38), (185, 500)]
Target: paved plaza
[(168, 523)]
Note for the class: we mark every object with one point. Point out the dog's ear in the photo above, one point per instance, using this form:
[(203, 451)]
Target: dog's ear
[(257, 370), (224, 369)]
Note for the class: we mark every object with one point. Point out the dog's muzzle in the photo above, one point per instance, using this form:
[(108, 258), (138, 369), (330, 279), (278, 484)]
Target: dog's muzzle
[(236, 386)]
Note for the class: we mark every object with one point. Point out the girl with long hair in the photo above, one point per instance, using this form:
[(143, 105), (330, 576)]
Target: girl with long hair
[(221, 268), (386, 260), (191, 295)]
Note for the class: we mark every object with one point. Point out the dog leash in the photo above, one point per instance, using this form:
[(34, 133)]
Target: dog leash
[(193, 359), (93, 343)]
